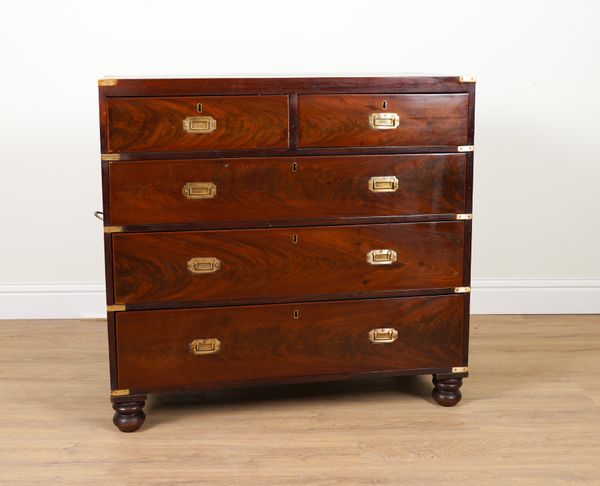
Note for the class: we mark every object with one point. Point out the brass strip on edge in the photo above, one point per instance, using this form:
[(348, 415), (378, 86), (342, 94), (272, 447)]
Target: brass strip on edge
[(113, 229), (119, 393), (115, 308), (467, 79), (107, 82), (109, 157), (462, 290), (460, 369)]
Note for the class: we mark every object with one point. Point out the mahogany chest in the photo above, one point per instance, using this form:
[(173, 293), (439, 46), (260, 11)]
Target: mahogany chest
[(271, 230)]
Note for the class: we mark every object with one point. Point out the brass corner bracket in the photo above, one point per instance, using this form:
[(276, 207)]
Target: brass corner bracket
[(462, 290), (464, 217), (119, 393), (460, 369), (113, 229), (465, 148), (467, 79), (107, 82), (115, 308), (108, 157)]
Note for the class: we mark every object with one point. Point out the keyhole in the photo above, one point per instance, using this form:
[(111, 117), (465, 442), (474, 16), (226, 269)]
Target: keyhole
[(384, 104), (294, 166), (295, 239), (199, 107), (296, 314)]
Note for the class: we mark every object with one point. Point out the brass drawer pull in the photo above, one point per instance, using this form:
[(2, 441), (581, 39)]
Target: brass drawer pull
[(384, 121), (383, 335), (200, 347), (203, 265), (381, 257), (199, 190), (383, 184), (199, 124)]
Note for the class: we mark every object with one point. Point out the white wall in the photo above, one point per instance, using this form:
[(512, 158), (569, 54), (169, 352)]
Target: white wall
[(536, 233)]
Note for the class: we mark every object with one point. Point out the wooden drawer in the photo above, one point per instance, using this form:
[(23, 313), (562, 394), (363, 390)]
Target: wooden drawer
[(362, 120), (174, 124), (286, 340), (267, 188), (285, 263)]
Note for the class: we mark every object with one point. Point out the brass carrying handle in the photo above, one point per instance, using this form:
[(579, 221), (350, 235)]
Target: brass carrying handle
[(199, 190), (199, 124), (199, 347), (384, 121), (99, 215), (383, 335), (381, 257), (199, 265), (383, 184)]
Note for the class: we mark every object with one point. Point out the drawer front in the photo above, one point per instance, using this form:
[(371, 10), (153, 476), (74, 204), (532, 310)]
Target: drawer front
[(177, 125), (285, 188), (362, 120), (286, 263), (192, 347)]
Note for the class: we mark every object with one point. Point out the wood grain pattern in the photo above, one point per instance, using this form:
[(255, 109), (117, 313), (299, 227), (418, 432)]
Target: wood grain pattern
[(259, 342), (343, 120), (274, 85), (156, 124), (152, 267), (267, 188)]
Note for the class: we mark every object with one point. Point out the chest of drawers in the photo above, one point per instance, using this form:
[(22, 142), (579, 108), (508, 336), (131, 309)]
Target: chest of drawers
[(272, 230)]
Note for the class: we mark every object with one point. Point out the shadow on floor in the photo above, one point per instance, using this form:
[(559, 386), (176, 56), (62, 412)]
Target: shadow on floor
[(399, 387)]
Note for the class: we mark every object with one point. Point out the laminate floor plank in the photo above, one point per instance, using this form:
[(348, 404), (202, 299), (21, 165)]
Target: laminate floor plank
[(530, 414)]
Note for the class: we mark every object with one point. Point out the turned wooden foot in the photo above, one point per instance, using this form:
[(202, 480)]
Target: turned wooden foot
[(129, 415), (446, 391)]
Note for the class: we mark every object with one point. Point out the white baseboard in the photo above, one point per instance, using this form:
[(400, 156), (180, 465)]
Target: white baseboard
[(52, 301), (535, 296), (490, 296)]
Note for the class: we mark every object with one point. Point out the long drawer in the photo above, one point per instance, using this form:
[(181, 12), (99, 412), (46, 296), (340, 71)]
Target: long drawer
[(170, 349), (184, 191), (198, 266), (383, 120), (180, 124)]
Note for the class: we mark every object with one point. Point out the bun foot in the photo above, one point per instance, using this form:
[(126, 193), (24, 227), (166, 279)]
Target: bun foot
[(129, 415), (446, 391)]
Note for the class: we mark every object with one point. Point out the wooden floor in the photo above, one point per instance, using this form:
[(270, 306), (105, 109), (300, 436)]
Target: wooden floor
[(530, 415)]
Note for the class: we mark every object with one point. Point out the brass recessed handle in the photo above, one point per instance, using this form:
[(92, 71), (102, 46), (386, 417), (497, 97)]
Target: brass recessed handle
[(381, 257), (383, 335), (383, 184), (199, 124), (199, 265), (199, 190), (201, 347), (384, 121)]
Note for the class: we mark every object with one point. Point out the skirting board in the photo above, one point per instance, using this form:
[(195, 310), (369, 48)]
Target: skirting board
[(490, 296)]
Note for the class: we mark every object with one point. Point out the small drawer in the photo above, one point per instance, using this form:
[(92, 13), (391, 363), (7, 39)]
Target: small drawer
[(227, 190), (383, 120), (288, 263), (186, 348), (182, 124)]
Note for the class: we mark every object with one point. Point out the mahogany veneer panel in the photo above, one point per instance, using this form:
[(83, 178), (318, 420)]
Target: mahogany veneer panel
[(152, 267), (156, 124), (267, 342), (343, 120), (286, 188)]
